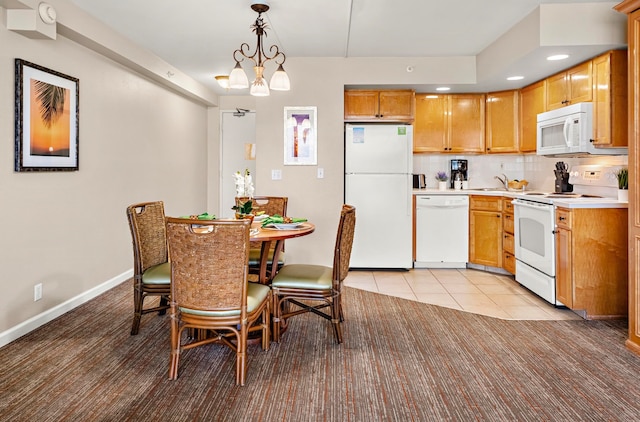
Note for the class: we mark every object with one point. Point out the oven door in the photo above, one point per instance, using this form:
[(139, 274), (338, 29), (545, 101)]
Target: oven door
[(534, 237)]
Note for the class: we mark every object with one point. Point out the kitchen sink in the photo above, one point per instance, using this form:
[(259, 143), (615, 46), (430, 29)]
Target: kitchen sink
[(489, 189)]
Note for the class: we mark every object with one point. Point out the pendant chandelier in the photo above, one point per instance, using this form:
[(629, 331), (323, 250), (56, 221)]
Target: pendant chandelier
[(238, 78)]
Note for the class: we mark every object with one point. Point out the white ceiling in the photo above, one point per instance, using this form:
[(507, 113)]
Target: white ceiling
[(199, 37)]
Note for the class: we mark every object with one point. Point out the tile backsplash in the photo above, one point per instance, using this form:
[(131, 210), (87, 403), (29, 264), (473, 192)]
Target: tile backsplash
[(538, 170)]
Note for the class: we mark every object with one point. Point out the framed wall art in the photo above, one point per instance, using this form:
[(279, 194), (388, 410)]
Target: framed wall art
[(300, 136), (46, 126)]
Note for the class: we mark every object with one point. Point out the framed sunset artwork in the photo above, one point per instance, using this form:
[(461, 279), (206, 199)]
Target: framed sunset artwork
[(46, 121)]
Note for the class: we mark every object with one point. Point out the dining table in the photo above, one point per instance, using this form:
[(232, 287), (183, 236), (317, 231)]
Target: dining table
[(272, 238)]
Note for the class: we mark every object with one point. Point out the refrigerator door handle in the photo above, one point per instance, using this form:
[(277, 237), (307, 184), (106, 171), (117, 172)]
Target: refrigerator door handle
[(409, 195)]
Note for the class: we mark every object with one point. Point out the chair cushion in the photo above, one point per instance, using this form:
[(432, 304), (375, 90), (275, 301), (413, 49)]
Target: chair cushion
[(158, 274), (254, 257), (256, 294), (301, 276)]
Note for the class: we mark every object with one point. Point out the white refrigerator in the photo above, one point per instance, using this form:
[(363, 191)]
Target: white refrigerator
[(378, 182)]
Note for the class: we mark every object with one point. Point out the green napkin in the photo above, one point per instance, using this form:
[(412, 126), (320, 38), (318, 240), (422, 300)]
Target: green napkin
[(206, 216), (278, 219), (203, 216)]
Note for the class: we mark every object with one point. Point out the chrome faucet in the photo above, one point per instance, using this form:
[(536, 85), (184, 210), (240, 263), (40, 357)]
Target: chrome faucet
[(505, 181)]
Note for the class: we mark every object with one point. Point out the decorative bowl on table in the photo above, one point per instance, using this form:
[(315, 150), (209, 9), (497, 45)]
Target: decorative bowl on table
[(260, 217), (286, 226)]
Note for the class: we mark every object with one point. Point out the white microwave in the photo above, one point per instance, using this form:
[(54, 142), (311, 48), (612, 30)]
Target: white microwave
[(566, 130), (569, 131)]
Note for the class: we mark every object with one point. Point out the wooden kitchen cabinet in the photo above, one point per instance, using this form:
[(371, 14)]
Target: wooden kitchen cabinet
[(501, 130), (449, 123), (508, 238), (591, 261), (375, 106), (430, 131), (632, 9), (569, 87), (610, 99), (485, 230), (532, 103)]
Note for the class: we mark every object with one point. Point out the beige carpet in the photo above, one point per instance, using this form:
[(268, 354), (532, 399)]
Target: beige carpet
[(401, 361)]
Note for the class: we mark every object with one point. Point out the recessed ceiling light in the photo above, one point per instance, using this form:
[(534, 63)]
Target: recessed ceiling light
[(443, 88), (515, 78), (558, 57)]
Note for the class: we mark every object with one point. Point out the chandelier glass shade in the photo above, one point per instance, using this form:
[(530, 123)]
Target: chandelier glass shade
[(238, 78)]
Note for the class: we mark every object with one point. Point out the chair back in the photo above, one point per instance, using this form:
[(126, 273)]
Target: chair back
[(344, 242), (209, 263), (148, 232), (269, 204)]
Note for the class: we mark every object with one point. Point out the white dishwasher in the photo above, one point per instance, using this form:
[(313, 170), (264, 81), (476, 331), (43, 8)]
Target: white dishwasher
[(442, 231)]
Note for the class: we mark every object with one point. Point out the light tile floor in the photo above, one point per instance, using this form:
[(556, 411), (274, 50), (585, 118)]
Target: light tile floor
[(468, 290)]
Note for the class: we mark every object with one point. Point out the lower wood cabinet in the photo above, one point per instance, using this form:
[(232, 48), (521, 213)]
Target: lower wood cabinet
[(591, 261), (508, 238), (485, 230)]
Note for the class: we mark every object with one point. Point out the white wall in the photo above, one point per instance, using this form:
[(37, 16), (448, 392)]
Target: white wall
[(68, 230)]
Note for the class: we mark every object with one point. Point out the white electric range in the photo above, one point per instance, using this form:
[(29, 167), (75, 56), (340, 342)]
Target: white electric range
[(594, 186)]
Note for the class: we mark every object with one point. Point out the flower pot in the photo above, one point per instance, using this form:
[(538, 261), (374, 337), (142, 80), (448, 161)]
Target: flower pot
[(240, 216), (442, 185), (623, 195)]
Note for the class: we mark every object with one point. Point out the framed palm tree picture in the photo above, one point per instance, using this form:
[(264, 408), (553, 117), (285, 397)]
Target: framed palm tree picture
[(47, 129)]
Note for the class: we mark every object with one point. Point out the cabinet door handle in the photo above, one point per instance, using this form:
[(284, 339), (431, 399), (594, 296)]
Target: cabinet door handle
[(561, 218)]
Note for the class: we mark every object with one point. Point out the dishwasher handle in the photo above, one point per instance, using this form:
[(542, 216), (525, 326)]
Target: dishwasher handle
[(439, 202), (448, 206)]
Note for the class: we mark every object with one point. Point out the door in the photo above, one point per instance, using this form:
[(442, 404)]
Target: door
[(442, 230), (535, 242), (238, 137), (502, 122), (485, 238), (430, 125), (383, 235), (378, 148), (466, 123)]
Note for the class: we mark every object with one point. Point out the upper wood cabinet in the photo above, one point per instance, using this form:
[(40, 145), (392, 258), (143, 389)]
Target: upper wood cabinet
[(449, 123), (569, 87), (532, 102), (375, 106), (502, 122), (610, 99)]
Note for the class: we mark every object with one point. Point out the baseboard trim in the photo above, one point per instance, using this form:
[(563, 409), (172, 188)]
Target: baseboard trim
[(31, 324)]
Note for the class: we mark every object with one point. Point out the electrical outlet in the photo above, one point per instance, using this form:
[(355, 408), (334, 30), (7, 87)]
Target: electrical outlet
[(320, 173), (37, 292), (276, 174)]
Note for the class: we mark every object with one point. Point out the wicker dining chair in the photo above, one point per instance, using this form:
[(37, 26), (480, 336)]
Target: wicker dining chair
[(314, 287), (210, 294), (151, 270), (271, 205)]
